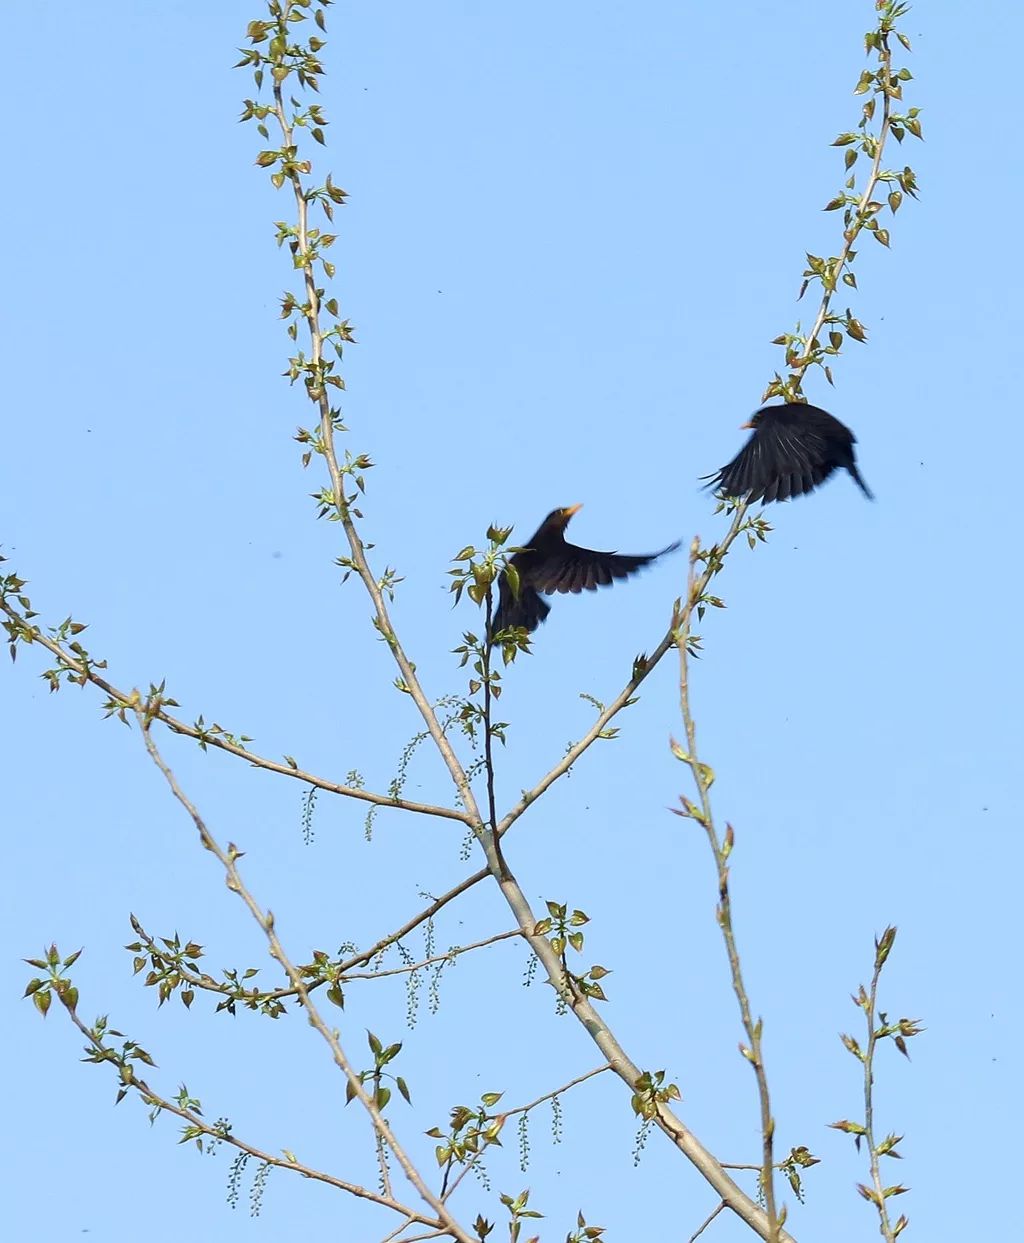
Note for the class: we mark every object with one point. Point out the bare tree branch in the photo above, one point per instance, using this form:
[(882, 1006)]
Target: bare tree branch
[(703, 776), (124, 701)]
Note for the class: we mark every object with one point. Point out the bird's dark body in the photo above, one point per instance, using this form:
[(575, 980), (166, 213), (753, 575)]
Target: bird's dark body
[(794, 448), (549, 564)]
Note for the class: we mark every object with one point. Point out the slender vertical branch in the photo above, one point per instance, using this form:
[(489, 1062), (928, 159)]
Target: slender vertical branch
[(879, 1028), (703, 777), (885, 1226), (488, 751)]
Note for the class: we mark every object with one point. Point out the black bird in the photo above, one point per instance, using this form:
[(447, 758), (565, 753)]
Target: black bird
[(548, 563), (794, 448)]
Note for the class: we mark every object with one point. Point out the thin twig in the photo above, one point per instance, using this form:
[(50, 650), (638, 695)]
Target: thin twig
[(447, 1191), (707, 1222), (885, 1225), (396, 1232), (453, 953), (364, 956), (622, 700), (549, 1096)]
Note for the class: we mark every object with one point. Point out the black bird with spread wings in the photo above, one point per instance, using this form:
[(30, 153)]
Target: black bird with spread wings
[(548, 563), (794, 448)]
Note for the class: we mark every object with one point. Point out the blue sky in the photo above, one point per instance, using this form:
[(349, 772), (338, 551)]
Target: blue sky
[(572, 233)]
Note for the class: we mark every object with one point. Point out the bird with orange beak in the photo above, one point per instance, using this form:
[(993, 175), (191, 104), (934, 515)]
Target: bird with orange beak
[(794, 448), (548, 563)]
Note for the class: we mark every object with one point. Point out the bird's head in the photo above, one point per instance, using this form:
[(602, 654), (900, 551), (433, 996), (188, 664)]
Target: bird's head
[(560, 517), (753, 422)]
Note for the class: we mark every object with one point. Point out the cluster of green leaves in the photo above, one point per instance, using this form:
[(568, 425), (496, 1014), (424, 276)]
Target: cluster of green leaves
[(584, 1233), (174, 968), (470, 1131), (650, 1091), (518, 1212), (376, 1074), (861, 209), (204, 733), (483, 567), (799, 1159), (56, 983), (562, 928), (476, 571)]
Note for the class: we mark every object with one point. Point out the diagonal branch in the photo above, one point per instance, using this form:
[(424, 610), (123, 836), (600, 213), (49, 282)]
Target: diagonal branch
[(199, 1125), (122, 702), (228, 859)]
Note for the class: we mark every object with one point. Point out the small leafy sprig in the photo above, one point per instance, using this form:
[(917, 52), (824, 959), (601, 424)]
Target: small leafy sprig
[(56, 983), (382, 1056), (563, 927), (470, 1132), (880, 1029), (861, 209), (650, 1091)]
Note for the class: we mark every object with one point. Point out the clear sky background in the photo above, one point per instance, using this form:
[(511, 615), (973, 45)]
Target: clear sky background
[(573, 231)]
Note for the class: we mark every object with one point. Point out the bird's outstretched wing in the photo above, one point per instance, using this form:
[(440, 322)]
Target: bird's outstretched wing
[(569, 569), (575, 569), (779, 461)]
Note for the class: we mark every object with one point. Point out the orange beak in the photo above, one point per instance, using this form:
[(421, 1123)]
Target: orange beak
[(572, 509), (744, 427)]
